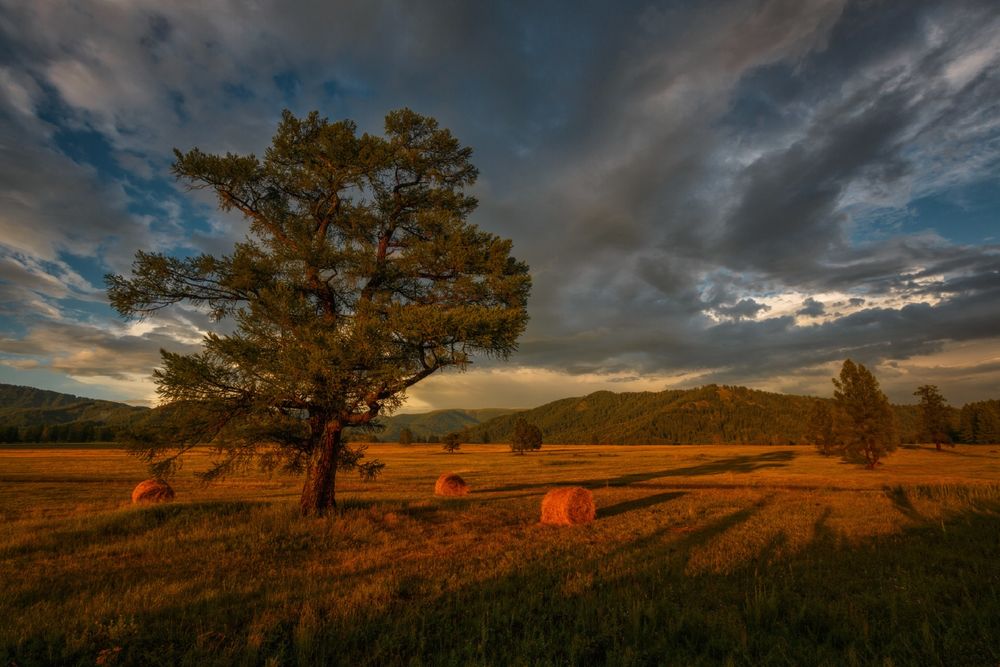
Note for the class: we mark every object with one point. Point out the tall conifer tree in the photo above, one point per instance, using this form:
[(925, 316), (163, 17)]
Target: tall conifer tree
[(865, 425), (934, 424), (359, 277)]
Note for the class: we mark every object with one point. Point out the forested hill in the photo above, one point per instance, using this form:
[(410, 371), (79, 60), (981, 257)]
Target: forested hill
[(710, 414), (36, 415), (437, 423)]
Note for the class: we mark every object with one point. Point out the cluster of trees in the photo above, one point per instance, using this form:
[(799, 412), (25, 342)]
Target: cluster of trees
[(979, 422), (860, 424), (451, 443), (74, 432), (526, 438), (28, 414)]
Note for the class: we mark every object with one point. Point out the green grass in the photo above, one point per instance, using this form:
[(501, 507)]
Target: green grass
[(741, 555)]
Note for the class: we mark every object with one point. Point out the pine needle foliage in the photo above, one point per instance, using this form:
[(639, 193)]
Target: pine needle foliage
[(864, 420), (820, 427), (935, 425)]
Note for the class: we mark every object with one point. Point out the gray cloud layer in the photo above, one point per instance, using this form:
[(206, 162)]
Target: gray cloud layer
[(668, 171)]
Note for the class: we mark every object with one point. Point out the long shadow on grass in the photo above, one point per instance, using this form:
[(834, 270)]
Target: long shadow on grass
[(735, 464), (901, 501), (824, 605), (874, 602), (637, 504), (130, 522), (954, 452)]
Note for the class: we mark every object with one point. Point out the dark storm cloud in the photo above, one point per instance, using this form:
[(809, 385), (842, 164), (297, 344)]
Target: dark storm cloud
[(661, 167), (811, 308), (742, 309), (870, 129), (762, 349)]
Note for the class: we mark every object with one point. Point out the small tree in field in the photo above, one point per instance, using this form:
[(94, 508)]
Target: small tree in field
[(934, 424), (864, 424), (359, 276), (451, 443), (406, 437), (527, 437), (820, 428)]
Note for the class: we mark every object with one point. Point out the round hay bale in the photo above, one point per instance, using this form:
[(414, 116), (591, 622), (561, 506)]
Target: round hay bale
[(450, 484), (568, 506), (152, 491)]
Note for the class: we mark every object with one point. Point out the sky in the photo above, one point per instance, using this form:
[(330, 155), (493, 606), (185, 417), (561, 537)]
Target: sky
[(734, 192)]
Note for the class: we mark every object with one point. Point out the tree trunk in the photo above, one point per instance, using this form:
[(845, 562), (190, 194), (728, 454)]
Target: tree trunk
[(872, 457), (318, 494)]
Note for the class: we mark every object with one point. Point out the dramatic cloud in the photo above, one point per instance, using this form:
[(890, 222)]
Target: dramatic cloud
[(812, 308), (742, 191)]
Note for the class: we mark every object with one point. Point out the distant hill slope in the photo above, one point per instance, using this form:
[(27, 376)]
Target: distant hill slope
[(36, 415), (438, 422), (710, 414)]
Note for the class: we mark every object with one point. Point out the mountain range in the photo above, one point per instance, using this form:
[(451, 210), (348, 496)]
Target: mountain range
[(709, 414), (437, 423)]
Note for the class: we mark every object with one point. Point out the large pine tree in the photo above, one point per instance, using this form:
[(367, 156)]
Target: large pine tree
[(359, 277), (934, 424), (864, 423)]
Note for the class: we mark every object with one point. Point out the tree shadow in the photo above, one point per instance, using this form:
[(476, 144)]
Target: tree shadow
[(822, 533), (901, 501), (735, 464), (813, 609), (954, 452), (131, 522), (652, 546), (478, 496), (637, 504)]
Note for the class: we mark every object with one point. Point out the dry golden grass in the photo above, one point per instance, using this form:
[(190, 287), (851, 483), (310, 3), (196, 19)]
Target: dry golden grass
[(87, 572), (782, 490)]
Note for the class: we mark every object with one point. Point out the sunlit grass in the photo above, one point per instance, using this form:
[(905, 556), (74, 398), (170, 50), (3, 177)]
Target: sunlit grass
[(708, 553)]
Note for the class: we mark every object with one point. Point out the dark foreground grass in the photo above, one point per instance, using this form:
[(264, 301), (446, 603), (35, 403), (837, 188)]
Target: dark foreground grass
[(671, 573)]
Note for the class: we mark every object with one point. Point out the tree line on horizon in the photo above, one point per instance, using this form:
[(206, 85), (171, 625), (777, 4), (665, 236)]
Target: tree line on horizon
[(35, 415), (713, 414)]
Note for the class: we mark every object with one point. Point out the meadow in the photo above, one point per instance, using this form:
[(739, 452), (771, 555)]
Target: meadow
[(699, 555)]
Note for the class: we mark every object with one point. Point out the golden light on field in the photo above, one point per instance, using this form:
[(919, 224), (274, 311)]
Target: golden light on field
[(712, 516)]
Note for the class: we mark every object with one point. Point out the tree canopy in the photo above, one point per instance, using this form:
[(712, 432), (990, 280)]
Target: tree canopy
[(451, 442), (865, 425), (934, 423), (820, 427), (526, 437), (359, 276)]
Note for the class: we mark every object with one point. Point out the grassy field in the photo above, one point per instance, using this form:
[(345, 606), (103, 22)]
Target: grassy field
[(700, 554)]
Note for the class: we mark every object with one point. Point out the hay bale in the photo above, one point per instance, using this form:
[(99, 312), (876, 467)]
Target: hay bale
[(568, 506), (450, 484), (152, 491)]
